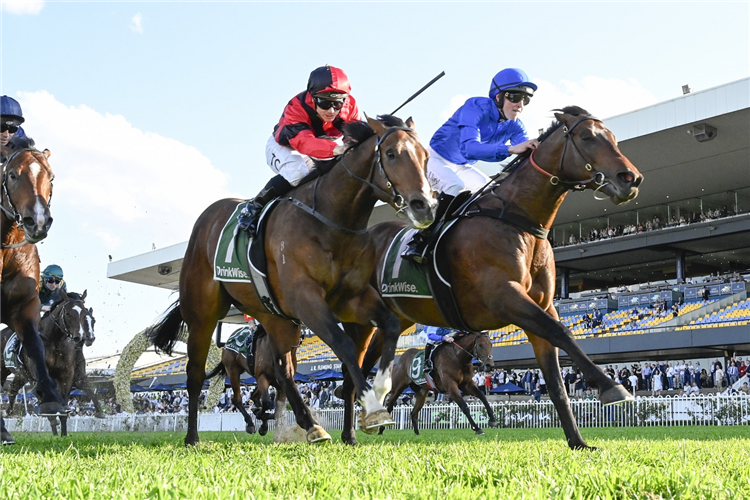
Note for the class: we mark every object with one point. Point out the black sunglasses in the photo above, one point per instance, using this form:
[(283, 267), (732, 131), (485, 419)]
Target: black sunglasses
[(8, 128), (53, 280), (515, 97), (327, 104)]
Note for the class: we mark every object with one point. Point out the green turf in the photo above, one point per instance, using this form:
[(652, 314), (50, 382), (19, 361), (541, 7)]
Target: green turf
[(648, 463)]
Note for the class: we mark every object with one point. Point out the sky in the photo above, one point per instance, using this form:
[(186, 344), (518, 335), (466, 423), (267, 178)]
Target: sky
[(153, 110)]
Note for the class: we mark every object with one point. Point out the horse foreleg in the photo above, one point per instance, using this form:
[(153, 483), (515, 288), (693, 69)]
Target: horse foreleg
[(53, 425), (199, 341), (526, 314), (455, 394), (547, 357), (419, 400), (63, 426), (51, 401), (473, 390), (5, 437), (233, 373)]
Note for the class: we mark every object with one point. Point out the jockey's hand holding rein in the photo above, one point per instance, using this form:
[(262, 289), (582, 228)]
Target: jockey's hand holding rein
[(522, 147)]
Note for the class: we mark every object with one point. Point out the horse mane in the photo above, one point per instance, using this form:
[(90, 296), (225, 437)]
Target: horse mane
[(355, 133), (23, 143), (568, 110)]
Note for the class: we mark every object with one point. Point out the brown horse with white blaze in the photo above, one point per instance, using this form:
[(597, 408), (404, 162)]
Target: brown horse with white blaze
[(25, 220), (320, 259), (501, 265)]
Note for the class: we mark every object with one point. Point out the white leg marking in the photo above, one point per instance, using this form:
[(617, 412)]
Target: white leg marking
[(382, 385), (370, 402)]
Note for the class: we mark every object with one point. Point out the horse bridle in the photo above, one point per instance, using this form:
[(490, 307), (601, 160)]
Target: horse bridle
[(377, 162), (13, 212), (58, 319), (474, 353), (577, 185)]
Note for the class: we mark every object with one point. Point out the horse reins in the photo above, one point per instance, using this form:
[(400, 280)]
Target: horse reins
[(377, 162), (475, 348)]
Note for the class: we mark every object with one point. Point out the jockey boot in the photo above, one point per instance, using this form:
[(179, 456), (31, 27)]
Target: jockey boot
[(416, 247), (248, 218), (428, 357)]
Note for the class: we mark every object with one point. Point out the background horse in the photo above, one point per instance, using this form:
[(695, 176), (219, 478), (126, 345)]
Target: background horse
[(61, 330), (501, 265), (25, 220), (452, 374), (320, 259), (233, 364)]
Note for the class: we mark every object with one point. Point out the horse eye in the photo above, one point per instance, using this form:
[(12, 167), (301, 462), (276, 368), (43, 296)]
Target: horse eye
[(390, 154), (12, 175)]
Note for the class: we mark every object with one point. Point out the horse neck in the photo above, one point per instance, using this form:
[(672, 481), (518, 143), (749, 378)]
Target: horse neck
[(530, 192), (466, 344), (343, 199), (49, 328)]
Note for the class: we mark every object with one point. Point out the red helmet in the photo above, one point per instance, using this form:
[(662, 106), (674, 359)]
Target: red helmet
[(328, 82)]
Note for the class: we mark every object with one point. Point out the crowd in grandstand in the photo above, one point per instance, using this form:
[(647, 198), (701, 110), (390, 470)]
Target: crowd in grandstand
[(654, 224)]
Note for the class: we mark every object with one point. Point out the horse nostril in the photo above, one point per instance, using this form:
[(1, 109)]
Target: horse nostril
[(29, 221), (49, 223), (417, 205)]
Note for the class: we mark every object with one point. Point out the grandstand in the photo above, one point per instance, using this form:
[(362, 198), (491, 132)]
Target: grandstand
[(691, 220)]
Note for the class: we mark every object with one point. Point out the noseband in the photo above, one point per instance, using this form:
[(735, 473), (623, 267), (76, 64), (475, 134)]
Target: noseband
[(577, 185), (474, 353)]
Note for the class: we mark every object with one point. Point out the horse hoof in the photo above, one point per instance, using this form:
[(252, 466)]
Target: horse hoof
[(250, 429), (374, 421), (349, 440), (339, 392), (492, 424), (6, 438), (478, 432), (616, 394), (53, 409), (263, 429), (317, 434)]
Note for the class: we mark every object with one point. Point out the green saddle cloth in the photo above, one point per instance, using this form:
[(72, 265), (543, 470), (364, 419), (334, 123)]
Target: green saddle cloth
[(238, 342), (230, 261), (400, 277), (416, 370), (10, 353)]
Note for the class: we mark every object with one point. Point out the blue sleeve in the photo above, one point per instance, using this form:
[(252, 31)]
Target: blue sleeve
[(470, 118)]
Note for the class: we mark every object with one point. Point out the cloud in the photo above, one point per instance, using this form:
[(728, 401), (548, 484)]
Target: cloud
[(136, 24), (601, 97), (122, 178), (21, 7), (117, 190)]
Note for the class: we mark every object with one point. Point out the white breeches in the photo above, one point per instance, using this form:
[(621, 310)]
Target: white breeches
[(450, 178), (290, 164)]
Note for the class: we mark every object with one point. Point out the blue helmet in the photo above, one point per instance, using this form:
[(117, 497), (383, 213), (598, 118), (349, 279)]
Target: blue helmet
[(511, 79), (10, 111)]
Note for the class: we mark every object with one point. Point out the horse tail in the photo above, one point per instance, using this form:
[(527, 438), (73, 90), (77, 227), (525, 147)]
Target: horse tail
[(164, 333), (218, 369)]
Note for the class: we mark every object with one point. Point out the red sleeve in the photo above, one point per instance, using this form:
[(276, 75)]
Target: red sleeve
[(304, 141)]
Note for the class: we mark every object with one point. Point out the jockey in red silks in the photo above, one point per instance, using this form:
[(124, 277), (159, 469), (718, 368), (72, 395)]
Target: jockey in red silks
[(310, 128)]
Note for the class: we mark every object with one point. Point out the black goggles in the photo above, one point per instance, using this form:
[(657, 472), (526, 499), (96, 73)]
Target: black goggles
[(515, 97), (328, 104), (53, 280), (5, 127)]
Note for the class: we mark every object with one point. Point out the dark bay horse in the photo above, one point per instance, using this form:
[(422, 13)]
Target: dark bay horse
[(452, 374), (233, 364), (68, 324), (320, 260), (25, 220), (502, 274)]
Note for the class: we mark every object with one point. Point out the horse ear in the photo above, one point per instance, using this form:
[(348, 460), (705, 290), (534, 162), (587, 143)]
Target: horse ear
[(47, 153), (410, 123), (83, 297), (376, 125)]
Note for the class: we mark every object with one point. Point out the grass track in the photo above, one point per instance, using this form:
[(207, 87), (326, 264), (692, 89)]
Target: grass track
[(648, 463)]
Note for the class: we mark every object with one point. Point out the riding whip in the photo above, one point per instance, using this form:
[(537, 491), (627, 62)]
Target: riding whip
[(442, 74)]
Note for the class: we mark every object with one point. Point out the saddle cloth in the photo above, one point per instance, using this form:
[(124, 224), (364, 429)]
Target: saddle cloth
[(230, 260), (12, 353)]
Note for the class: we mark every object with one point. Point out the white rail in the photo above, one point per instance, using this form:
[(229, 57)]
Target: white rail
[(649, 411)]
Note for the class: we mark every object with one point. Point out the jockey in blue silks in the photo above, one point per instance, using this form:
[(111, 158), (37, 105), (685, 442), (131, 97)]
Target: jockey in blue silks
[(436, 335), (480, 130), (11, 118)]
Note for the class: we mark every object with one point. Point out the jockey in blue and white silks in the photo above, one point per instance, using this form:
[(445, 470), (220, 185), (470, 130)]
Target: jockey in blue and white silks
[(436, 335), (483, 129)]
